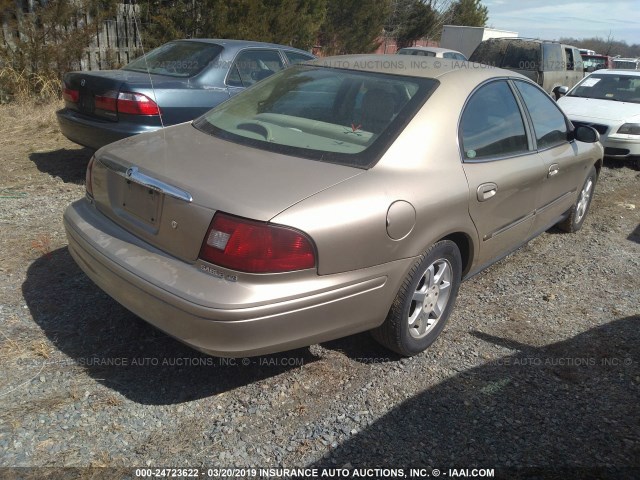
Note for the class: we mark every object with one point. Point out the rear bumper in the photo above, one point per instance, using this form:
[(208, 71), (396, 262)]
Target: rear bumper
[(300, 309), (95, 133)]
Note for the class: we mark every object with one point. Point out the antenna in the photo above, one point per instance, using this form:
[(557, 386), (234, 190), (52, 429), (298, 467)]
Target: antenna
[(144, 55)]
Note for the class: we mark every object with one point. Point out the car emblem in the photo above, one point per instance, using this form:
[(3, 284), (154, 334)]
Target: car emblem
[(82, 82), (131, 171)]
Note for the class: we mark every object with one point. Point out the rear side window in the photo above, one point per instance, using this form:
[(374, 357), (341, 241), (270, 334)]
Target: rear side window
[(177, 59), (455, 56), (295, 57), (548, 122), (492, 125), (552, 57), (522, 56)]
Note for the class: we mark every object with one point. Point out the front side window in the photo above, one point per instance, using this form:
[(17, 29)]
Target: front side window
[(251, 66), (548, 122), (334, 115), (570, 60), (491, 124)]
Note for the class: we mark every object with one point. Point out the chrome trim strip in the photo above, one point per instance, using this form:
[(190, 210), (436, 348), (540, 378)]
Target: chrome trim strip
[(133, 174), (507, 227), (553, 202)]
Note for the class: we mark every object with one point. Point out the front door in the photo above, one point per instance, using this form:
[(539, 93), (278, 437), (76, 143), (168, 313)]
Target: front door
[(503, 171)]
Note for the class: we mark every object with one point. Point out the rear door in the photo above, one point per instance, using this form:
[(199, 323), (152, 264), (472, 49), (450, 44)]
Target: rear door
[(564, 163), (503, 171)]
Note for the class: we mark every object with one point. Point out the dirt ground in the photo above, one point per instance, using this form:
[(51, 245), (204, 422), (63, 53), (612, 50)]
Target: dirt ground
[(561, 296)]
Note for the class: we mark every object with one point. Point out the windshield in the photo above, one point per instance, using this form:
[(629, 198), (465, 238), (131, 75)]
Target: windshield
[(176, 59), (621, 88), (334, 115)]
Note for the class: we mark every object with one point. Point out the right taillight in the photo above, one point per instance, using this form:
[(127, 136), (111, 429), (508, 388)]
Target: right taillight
[(70, 95), (88, 178), (256, 247), (136, 104)]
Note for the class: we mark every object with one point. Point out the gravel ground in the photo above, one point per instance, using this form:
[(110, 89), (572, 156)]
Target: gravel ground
[(538, 366)]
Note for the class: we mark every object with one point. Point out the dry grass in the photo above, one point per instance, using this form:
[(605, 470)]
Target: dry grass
[(41, 349), (23, 86), (28, 117), (42, 245)]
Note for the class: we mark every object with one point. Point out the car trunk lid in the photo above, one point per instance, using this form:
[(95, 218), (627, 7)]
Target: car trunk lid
[(91, 93), (165, 186)]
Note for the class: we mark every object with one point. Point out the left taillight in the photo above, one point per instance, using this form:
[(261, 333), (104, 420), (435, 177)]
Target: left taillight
[(88, 178), (256, 247)]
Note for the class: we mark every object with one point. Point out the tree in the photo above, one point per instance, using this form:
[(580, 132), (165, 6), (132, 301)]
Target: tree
[(468, 12), (412, 20), (43, 39), (289, 22), (353, 26)]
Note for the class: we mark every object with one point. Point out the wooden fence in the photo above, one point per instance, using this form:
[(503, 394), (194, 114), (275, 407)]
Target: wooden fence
[(115, 42)]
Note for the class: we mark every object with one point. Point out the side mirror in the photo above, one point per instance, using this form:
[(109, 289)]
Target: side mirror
[(560, 91), (586, 134)]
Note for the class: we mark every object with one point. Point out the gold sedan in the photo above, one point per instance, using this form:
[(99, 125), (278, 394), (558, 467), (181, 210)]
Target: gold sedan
[(348, 194)]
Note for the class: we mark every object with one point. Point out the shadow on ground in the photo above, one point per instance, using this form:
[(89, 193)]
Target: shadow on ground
[(632, 163), (67, 164), (123, 352), (572, 404), (635, 235), (362, 348)]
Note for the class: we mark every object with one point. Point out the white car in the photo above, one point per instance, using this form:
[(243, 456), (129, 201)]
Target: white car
[(609, 101), (433, 52)]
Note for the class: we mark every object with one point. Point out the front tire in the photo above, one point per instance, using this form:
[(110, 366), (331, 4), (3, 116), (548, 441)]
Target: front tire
[(424, 302), (578, 213)]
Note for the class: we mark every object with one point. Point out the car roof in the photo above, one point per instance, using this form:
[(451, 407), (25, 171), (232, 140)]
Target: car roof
[(427, 67), (235, 44)]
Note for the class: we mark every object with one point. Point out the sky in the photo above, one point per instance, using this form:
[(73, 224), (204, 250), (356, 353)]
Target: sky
[(553, 19)]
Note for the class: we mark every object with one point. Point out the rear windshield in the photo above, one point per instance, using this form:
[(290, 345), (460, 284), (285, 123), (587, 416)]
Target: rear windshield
[(413, 51), (511, 54), (176, 59), (334, 115)]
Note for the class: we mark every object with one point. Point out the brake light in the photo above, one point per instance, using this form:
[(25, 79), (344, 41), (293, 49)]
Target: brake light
[(88, 178), (70, 95), (136, 104), (256, 247)]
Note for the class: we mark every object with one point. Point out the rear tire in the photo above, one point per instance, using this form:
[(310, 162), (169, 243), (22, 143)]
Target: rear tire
[(579, 211), (424, 302)]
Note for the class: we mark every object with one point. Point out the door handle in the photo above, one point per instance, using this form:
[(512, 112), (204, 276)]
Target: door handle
[(553, 170), (486, 191)]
